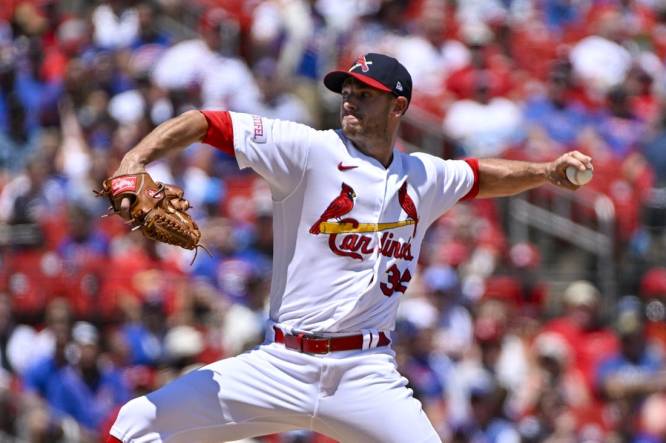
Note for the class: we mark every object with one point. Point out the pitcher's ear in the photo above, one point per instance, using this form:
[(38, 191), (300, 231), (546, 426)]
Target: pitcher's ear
[(400, 105)]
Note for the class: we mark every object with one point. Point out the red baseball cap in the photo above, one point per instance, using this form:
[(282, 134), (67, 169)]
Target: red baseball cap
[(376, 70)]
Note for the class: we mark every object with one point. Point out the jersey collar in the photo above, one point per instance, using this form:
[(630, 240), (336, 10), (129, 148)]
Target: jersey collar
[(358, 153)]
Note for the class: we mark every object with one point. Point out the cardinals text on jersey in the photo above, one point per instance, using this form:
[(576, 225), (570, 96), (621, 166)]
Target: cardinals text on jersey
[(355, 242)]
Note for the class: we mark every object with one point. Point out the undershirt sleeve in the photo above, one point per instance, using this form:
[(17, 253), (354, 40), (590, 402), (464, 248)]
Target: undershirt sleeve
[(220, 133), (474, 164)]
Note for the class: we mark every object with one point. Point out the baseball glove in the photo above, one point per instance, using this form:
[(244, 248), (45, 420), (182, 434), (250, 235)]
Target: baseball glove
[(157, 209)]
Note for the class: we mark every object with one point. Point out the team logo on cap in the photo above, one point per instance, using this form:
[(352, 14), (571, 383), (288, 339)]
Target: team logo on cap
[(398, 86), (362, 63)]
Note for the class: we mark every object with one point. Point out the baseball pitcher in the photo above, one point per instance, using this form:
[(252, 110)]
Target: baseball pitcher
[(350, 213)]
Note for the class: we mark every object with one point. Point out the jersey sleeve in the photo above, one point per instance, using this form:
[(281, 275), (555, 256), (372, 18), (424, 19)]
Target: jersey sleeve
[(452, 181), (275, 149)]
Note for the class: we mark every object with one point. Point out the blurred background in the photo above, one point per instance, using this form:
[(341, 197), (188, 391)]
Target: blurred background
[(540, 318)]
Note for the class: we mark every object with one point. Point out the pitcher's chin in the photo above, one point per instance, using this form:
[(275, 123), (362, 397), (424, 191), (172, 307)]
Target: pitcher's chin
[(351, 127)]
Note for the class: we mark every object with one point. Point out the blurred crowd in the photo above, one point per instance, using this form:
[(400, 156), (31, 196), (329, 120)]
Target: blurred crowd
[(92, 315)]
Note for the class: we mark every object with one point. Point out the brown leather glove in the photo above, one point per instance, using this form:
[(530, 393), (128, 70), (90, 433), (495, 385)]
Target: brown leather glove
[(157, 209)]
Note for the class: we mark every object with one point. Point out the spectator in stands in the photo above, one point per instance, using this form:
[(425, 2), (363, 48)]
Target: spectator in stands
[(485, 62), (88, 388), (483, 361), (32, 195), (84, 253), (223, 244), (182, 345), (149, 32), (483, 125), (116, 24), (242, 325), (551, 390), (58, 320), (144, 335), (17, 144), (582, 328), (555, 112), (276, 102), (420, 368), (195, 65), (196, 172), (431, 54), (487, 422), (297, 32), (601, 60), (381, 28), (518, 286), (524, 267), (454, 328), (620, 128), (628, 377), (21, 89), (642, 89), (42, 374), (15, 340), (653, 150)]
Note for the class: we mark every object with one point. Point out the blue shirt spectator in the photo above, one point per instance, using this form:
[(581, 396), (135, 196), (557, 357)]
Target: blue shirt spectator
[(87, 389), (38, 378), (561, 123), (619, 127), (88, 403), (145, 348), (654, 151)]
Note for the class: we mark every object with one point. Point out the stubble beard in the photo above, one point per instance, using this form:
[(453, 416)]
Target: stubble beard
[(367, 133)]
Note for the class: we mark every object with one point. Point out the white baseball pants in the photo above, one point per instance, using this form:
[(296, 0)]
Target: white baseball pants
[(351, 396)]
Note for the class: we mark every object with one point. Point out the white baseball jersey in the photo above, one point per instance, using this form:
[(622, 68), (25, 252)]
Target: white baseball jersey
[(347, 230), (347, 237)]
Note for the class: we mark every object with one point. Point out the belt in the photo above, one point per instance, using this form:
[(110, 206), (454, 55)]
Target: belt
[(312, 344)]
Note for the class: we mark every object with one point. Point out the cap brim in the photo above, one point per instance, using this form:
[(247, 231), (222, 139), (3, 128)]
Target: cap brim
[(334, 80)]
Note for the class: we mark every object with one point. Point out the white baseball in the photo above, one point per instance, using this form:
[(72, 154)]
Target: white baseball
[(578, 177)]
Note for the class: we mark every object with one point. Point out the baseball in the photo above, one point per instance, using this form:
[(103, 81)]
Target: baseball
[(578, 177)]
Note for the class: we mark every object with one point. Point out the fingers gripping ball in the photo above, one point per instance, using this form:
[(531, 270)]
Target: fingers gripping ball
[(157, 209), (578, 177)]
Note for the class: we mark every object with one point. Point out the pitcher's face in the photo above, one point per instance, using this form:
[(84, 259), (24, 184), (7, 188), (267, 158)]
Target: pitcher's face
[(364, 111)]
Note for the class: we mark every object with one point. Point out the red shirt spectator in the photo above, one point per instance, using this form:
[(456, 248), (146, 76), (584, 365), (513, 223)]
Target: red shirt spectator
[(581, 329)]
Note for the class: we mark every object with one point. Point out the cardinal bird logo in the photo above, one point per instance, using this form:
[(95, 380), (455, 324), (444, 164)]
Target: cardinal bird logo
[(408, 205), (340, 206)]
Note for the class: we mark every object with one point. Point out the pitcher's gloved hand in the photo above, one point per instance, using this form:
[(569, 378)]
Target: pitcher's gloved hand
[(157, 209)]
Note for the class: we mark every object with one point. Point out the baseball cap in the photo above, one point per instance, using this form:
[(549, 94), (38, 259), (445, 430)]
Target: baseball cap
[(376, 70)]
